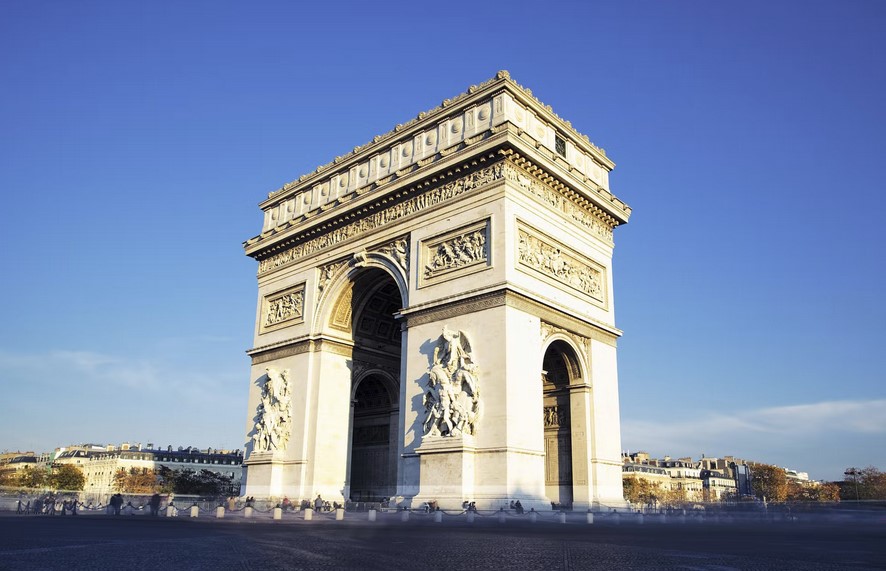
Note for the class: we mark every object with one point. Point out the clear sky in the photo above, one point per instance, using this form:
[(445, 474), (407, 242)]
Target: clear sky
[(137, 138)]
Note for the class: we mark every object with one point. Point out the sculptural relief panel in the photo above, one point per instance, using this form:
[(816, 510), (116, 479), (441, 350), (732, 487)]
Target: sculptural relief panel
[(456, 253), (283, 308), (546, 256), (452, 398), (273, 417)]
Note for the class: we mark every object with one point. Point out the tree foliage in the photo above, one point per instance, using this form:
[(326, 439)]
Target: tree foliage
[(136, 481), (865, 483), (813, 492), (189, 482), (769, 482), (30, 477), (66, 477)]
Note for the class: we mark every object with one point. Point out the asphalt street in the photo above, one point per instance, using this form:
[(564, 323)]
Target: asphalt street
[(141, 542)]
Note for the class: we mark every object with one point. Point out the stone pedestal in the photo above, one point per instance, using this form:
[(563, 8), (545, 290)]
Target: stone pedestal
[(447, 471)]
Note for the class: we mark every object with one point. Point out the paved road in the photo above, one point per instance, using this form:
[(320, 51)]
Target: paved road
[(134, 543)]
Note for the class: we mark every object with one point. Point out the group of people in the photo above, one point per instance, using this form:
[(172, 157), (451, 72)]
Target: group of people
[(49, 505)]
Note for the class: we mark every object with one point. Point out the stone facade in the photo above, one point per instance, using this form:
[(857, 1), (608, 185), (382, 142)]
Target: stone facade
[(432, 297)]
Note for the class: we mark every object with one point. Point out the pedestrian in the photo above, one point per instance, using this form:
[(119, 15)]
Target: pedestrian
[(117, 503), (318, 503), (154, 504), (519, 507), (286, 504)]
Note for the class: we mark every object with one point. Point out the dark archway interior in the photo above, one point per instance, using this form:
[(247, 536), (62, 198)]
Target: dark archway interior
[(377, 341), (560, 369)]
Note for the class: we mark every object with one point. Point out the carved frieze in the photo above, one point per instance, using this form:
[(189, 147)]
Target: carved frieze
[(456, 253), (398, 251), (420, 203), (547, 195), (283, 308), (548, 257)]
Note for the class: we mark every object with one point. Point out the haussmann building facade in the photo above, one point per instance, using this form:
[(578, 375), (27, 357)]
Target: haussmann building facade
[(435, 317)]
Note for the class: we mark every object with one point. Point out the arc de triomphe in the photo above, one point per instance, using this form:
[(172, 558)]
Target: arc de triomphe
[(435, 316)]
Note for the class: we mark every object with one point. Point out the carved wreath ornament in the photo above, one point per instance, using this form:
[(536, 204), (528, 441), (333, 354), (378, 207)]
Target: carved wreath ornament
[(452, 399)]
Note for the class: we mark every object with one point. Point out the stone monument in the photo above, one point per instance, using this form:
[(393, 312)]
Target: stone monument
[(435, 317)]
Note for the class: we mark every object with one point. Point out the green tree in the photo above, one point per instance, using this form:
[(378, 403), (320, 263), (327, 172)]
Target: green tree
[(66, 477), (30, 477), (769, 482)]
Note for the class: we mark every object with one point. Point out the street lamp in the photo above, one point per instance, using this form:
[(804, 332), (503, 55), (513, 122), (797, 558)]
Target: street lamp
[(854, 473)]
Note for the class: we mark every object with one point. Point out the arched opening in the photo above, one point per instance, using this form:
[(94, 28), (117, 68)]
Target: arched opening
[(560, 370), (374, 449)]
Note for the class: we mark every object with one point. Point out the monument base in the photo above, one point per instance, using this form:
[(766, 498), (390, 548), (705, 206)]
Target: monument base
[(268, 476)]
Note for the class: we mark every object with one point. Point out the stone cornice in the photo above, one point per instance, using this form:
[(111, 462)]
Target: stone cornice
[(447, 309), (455, 181), (432, 141), (402, 132)]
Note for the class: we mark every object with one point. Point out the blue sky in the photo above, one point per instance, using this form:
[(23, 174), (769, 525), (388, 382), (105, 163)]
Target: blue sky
[(136, 140)]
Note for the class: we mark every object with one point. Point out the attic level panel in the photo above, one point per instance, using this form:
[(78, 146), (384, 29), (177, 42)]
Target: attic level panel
[(429, 139)]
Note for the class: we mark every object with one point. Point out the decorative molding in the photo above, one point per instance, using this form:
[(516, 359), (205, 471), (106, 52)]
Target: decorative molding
[(592, 329), (556, 195), (583, 343), (454, 309), (398, 252), (554, 260), (425, 201), (456, 253), (283, 308)]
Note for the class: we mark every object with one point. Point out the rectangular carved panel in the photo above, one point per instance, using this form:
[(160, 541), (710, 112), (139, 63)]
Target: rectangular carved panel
[(283, 308), (456, 253), (548, 257)]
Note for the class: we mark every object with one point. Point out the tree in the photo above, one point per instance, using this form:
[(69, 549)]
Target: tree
[(189, 482), (769, 482), (864, 483), (641, 491), (67, 477), (30, 477), (813, 492), (136, 481)]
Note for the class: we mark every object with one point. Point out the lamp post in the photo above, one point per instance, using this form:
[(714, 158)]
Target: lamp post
[(854, 473)]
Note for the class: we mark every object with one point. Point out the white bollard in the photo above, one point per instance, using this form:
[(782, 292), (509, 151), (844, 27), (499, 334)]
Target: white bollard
[(616, 519), (640, 519), (339, 514), (470, 517), (372, 515), (562, 517), (533, 516), (278, 513), (501, 516), (438, 516), (590, 518), (195, 511), (247, 512), (309, 514), (220, 512), (404, 516)]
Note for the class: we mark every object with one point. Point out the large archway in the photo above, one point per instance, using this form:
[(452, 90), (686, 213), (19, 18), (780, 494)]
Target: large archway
[(375, 405), (560, 370)]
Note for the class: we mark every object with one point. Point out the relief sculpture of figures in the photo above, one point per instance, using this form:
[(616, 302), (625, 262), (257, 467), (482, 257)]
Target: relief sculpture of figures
[(452, 399), (273, 418)]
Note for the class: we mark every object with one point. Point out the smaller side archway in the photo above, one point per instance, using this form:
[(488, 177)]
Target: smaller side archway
[(560, 369)]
